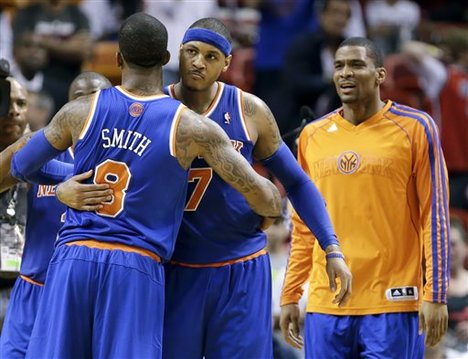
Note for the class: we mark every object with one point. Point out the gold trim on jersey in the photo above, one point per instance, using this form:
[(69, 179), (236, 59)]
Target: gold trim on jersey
[(92, 243), (32, 281), (91, 112), (138, 97), (215, 101), (173, 131), (222, 264)]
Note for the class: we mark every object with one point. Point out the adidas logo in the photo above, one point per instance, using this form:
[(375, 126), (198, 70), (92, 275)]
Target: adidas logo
[(402, 293)]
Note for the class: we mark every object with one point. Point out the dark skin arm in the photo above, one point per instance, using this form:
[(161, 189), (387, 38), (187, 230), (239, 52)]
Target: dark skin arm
[(89, 196), (8, 180), (82, 196), (64, 129), (198, 136)]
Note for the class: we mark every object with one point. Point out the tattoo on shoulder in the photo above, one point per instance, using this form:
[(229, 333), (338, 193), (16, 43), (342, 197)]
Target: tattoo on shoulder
[(275, 137), (250, 107), (69, 121), (185, 137)]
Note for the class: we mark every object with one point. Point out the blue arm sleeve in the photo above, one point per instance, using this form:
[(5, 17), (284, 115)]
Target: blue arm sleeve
[(304, 196), (28, 161), (52, 172)]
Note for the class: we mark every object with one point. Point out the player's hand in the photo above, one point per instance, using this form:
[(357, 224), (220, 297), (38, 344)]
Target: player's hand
[(433, 319), (84, 197), (289, 324), (337, 268)]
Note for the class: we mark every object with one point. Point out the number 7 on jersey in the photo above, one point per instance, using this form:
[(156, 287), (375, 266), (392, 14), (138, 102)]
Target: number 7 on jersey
[(203, 177)]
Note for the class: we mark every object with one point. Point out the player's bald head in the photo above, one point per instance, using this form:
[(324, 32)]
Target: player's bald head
[(87, 83)]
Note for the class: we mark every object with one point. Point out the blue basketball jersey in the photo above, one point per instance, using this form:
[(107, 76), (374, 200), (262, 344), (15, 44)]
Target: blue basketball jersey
[(218, 224), (45, 216), (129, 142)]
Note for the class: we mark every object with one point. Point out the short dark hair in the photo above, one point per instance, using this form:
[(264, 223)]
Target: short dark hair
[(143, 40), (215, 25), (371, 49)]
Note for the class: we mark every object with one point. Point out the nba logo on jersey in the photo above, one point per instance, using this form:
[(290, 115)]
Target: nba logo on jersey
[(136, 109), (227, 118), (348, 162)]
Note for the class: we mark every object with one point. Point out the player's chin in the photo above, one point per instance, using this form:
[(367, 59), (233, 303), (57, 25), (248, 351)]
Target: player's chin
[(347, 98), (194, 85)]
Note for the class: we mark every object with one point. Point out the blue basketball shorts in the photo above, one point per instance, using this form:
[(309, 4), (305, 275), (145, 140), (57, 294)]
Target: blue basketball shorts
[(19, 319), (219, 312), (100, 303), (379, 336)]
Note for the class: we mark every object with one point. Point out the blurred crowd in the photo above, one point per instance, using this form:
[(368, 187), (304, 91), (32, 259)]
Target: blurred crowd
[(284, 54)]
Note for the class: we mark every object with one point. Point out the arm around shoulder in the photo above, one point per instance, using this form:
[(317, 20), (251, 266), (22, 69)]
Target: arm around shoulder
[(52, 140), (199, 136)]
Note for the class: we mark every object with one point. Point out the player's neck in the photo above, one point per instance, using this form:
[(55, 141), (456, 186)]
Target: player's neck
[(361, 111), (147, 83), (197, 100)]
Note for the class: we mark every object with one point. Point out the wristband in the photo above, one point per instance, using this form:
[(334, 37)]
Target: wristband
[(335, 255)]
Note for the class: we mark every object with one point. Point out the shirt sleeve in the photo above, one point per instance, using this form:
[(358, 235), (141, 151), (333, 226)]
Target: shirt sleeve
[(432, 190), (302, 244)]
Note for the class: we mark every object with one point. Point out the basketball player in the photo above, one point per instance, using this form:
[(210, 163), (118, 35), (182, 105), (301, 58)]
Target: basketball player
[(104, 292), (45, 216), (381, 170), (218, 294)]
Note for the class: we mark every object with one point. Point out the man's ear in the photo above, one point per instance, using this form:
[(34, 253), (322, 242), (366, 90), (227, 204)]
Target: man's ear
[(227, 63), (119, 59), (380, 76), (167, 58)]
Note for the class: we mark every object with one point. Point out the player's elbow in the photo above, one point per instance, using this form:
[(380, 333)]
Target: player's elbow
[(268, 202)]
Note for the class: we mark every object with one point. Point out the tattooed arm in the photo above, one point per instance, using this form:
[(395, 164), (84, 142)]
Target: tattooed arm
[(65, 128), (7, 180), (46, 144), (262, 126), (198, 136)]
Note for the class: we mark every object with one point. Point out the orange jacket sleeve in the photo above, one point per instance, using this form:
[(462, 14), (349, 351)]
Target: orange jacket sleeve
[(300, 256), (432, 191)]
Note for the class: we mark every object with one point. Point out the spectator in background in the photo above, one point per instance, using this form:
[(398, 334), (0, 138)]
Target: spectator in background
[(280, 22), (457, 335), (6, 38), (424, 60), (178, 15), (96, 11), (40, 110), (391, 22), (125, 8), (30, 59), (63, 30), (356, 25), (454, 113), (309, 62), (13, 201)]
